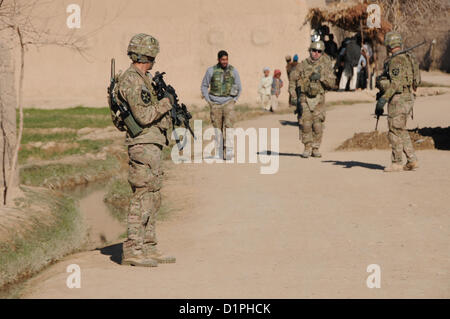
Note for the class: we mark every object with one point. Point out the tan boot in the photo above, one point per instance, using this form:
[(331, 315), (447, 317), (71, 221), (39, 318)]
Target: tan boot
[(153, 253), (316, 153), (131, 257), (395, 167), (306, 152), (411, 166)]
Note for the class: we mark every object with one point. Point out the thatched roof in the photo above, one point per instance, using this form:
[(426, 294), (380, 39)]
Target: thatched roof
[(349, 17)]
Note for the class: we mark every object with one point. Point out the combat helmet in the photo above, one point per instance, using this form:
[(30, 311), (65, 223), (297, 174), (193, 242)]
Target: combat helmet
[(318, 45), (141, 47), (393, 39)]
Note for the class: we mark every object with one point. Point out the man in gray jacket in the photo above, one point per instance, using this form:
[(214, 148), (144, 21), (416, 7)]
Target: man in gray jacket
[(221, 88)]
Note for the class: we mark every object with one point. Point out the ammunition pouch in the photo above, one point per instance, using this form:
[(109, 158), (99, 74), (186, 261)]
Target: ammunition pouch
[(313, 88), (132, 126)]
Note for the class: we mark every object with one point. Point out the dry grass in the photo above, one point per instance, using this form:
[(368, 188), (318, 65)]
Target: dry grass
[(44, 227)]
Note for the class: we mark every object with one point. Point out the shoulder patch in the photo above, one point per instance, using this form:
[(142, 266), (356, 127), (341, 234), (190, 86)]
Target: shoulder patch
[(145, 95), (395, 72)]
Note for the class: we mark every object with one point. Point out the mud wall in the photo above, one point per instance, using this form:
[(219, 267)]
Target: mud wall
[(256, 33)]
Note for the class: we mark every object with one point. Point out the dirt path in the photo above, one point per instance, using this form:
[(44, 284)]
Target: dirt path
[(310, 230)]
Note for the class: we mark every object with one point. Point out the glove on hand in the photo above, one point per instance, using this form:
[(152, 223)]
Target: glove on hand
[(293, 100), (379, 108)]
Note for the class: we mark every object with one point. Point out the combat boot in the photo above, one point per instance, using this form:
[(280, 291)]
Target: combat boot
[(152, 252), (131, 258), (395, 167), (411, 166), (316, 153), (306, 152)]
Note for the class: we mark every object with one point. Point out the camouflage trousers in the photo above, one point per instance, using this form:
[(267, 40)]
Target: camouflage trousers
[(399, 109), (145, 178), (311, 125), (222, 117)]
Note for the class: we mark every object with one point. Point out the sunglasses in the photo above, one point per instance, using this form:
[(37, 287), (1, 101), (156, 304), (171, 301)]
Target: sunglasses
[(314, 50)]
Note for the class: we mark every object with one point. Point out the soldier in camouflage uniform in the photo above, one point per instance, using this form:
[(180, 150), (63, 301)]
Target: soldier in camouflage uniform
[(144, 151), (312, 76), (396, 85)]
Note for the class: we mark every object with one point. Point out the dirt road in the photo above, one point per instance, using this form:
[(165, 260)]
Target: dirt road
[(308, 231)]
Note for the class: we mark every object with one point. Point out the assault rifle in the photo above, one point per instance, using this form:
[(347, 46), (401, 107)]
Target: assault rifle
[(407, 50), (299, 107), (179, 113)]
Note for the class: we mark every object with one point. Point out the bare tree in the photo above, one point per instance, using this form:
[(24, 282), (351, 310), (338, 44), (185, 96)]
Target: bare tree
[(27, 23), (18, 22), (7, 112), (409, 16)]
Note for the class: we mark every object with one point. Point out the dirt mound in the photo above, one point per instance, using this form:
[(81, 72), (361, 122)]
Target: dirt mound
[(423, 139)]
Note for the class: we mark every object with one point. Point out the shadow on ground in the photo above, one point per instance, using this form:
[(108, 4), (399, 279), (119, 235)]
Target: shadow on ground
[(269, 152), (350, 164), (290, 123), (114, 251), (440, 136)]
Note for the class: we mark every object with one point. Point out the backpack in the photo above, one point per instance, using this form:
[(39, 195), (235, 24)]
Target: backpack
[(113, 100), (416, 80), (121, 115)]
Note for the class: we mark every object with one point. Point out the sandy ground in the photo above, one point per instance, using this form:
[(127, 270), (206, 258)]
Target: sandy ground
[(309, 231), (103, 227)]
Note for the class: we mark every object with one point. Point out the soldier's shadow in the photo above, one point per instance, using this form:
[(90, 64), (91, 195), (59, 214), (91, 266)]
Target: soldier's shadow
[(114, 251), (350, 164)]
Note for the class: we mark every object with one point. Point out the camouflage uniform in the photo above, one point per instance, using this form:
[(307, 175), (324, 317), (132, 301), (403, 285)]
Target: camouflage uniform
[(289, 67), (399, 93), (222, 115), (312, 98), (396, 85), (144, 151)]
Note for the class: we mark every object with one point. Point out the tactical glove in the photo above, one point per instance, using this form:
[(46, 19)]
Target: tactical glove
[(314, 77), (293, 100), (379, 108), (164, 105)]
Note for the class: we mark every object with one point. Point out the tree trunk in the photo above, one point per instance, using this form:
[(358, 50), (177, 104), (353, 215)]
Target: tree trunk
[(7, 116)]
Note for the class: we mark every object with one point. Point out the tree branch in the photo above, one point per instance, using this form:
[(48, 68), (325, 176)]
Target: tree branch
[(13, 172)]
